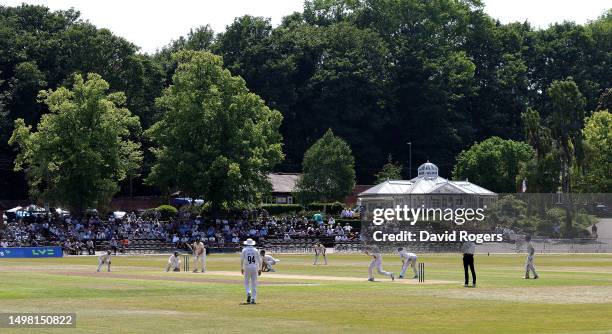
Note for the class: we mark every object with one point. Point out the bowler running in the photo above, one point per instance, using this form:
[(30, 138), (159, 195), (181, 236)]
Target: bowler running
[(374, 252)]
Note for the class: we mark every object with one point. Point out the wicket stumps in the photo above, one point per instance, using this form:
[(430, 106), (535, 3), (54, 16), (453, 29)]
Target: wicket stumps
[(421, 272), (185, 262)]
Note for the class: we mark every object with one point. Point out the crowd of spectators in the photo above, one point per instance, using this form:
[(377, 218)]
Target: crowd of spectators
[(222, 230), (81, 235)]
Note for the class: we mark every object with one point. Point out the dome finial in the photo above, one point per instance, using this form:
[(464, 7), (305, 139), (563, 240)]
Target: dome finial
[(428, 170)]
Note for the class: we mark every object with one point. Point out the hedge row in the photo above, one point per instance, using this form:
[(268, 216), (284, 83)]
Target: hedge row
[(168, 211), (276, 209), (331, 208)]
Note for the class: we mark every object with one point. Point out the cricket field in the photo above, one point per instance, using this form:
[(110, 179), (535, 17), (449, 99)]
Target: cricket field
[(573, 295)]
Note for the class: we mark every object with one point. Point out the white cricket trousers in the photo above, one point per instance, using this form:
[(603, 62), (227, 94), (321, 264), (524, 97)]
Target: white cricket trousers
[(172, 267), (378, 265), (101, 263), (271, 263), (199, 259), (250, 282), (411, 263)]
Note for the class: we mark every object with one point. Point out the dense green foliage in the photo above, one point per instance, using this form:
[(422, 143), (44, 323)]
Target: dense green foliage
[(572, 153), (542, 172), (566, 121), (328, 171), (595, 177), (536, 214), (379, 73), (332, 208), (216, 139), (494, 164), (166, 212), (389, 171), (40, 49), (82, 148)]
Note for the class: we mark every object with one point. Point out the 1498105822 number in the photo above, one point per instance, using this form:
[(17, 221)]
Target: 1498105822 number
[(251, 259)]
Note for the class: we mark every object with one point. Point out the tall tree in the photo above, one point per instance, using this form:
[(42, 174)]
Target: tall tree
[(605, 100), (82, 148), (390, 171), (326, 12), (244, 46), (198, 39), (216, 139), (597, 135), (4, 120), (42, 49), (431, 74), (567, 115), (328, 170), (570, 50), (541, 173), (567, 104), (347, 93), (500, 53), (319, 77), (440, 74), (494, 163)]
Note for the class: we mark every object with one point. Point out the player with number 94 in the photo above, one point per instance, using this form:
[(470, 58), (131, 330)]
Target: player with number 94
[(250, 263)]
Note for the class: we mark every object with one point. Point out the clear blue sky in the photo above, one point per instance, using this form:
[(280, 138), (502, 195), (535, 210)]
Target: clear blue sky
[(152, 24)]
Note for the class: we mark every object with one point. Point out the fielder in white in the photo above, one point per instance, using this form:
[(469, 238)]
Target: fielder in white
[(174, 262), (408, 259), (529, 266), (374, 252), (250, 263), (199, 255), (320, 251), (104, 259), (267, 261)]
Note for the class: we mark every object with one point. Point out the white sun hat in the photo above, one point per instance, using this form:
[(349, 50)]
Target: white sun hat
[(249, 242)]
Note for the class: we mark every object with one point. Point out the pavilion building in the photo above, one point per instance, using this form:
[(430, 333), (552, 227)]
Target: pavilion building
[(428, 189)]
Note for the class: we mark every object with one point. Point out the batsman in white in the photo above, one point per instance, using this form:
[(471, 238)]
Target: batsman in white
[(529, 266), (174, 262), (319, 251), (250, 263), (199, 255), (408, 259), (374, 252), (104, 259), (267, 261)]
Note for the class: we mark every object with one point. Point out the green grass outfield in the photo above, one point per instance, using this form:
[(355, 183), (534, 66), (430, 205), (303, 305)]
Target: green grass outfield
[(574, 295)]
